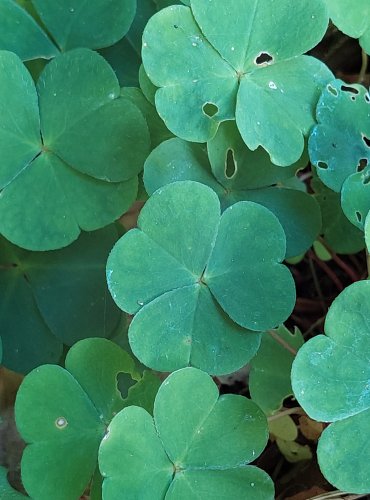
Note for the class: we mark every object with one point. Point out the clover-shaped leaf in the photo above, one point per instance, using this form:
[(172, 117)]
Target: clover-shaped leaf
[(71, 24), (86, 139), (21, 34), (196, 447), (269, 379), (183, 263), (54, 298), (236, 173), (215, 62), (63, 414), (352, 19), (338, 232), (331, 380), (340, 144)]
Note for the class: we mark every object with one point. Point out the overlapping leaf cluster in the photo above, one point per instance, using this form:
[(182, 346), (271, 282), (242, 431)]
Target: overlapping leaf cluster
[(227, 103)]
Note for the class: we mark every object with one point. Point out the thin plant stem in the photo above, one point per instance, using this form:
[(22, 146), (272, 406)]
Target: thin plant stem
[(365, 61), (313, 326), (329, 272), (289, 411), (282, 342), (346, 268), (317, 285)]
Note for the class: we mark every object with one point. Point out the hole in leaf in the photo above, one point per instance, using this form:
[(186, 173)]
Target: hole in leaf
[(359, 217), (124, 382), (210, 109), (367, 97), (362, 165), (322, 165), (263, 58), (230, 164), (351, 90), (366, 140), (332, 90)]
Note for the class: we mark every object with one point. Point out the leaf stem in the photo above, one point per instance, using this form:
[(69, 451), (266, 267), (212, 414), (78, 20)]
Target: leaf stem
[(289, 411), (329, 272), (282, 342), (365, 61), (348, 269), (317, 285)]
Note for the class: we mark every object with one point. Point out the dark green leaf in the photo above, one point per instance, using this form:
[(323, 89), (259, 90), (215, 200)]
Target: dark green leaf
[(52, 298), (20, 33), (236, 173), (86, 24), (338, 232), (63, 413), (93, 133), (269, 379)]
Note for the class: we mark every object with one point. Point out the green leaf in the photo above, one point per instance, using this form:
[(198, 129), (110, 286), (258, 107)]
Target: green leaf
[(63, 413), (143, 393), (6, 491), (86, 24), (338, 144), (342, 455), (331, 380), (269, 379), (125, 62), (95, 114), (189, 256), (20, 139), (339, 233), (85, 142), (20, 33), (355, 197), (236, 173), (325, 364), (214, 63), (352, 20), (186, 451), (41, 290), (157, 129), (147, 86)]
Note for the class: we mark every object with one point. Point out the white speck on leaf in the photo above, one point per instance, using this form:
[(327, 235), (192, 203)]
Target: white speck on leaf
[(61, 422), (272, 85)]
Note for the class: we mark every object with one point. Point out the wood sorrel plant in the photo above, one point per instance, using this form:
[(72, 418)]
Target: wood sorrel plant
[(241, 152)]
